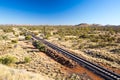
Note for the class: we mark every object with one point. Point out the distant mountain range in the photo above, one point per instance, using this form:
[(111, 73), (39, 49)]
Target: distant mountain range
[(81, 25), (95, 25)]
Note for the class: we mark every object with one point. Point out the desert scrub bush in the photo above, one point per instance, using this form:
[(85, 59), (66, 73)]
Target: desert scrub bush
[(8, 29), (16, 35), (28, 37), (22, 33), (94, 39), (84, 36), (81, 46), (7, 60), (101, 45), (74, 77), (107, 38), (4, 37), (39, 46), (118, 40), (27, 59), (14, 41), (115, 50), (66, 39)]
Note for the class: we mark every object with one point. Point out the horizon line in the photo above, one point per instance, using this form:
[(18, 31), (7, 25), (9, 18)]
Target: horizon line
[(59, 24)]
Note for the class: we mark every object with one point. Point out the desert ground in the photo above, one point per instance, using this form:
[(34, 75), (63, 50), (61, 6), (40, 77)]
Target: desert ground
[(96, 43)]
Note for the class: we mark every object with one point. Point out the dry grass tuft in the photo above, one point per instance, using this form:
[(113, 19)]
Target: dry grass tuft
[(14, 74)]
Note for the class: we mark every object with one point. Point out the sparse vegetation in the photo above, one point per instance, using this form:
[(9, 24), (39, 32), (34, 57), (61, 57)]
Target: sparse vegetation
[(14, 41), (7, 73), (39, 45), (28, 37), (96, 43), (27, 59), (7, 29), (7, 60), (115, 51)]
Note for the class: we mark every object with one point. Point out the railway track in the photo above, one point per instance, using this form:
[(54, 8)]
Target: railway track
[(104, 73)]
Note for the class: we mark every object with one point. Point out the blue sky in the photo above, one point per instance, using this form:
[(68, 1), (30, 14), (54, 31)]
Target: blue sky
[(60, 12)]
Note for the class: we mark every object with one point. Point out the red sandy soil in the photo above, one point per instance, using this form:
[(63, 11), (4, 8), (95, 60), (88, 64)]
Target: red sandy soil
[(77, 69), (80, 70), (110, 68)]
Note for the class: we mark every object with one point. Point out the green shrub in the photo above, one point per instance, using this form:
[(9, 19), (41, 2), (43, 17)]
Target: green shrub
[(42, 48), (7, 60), (101, 45), (39, 46), (8, 29), (84, 36), (115, 50), (81, 46), (16, 35), (14, 41), (27, 59), (94, 39), (22, 33), (28, 37)]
